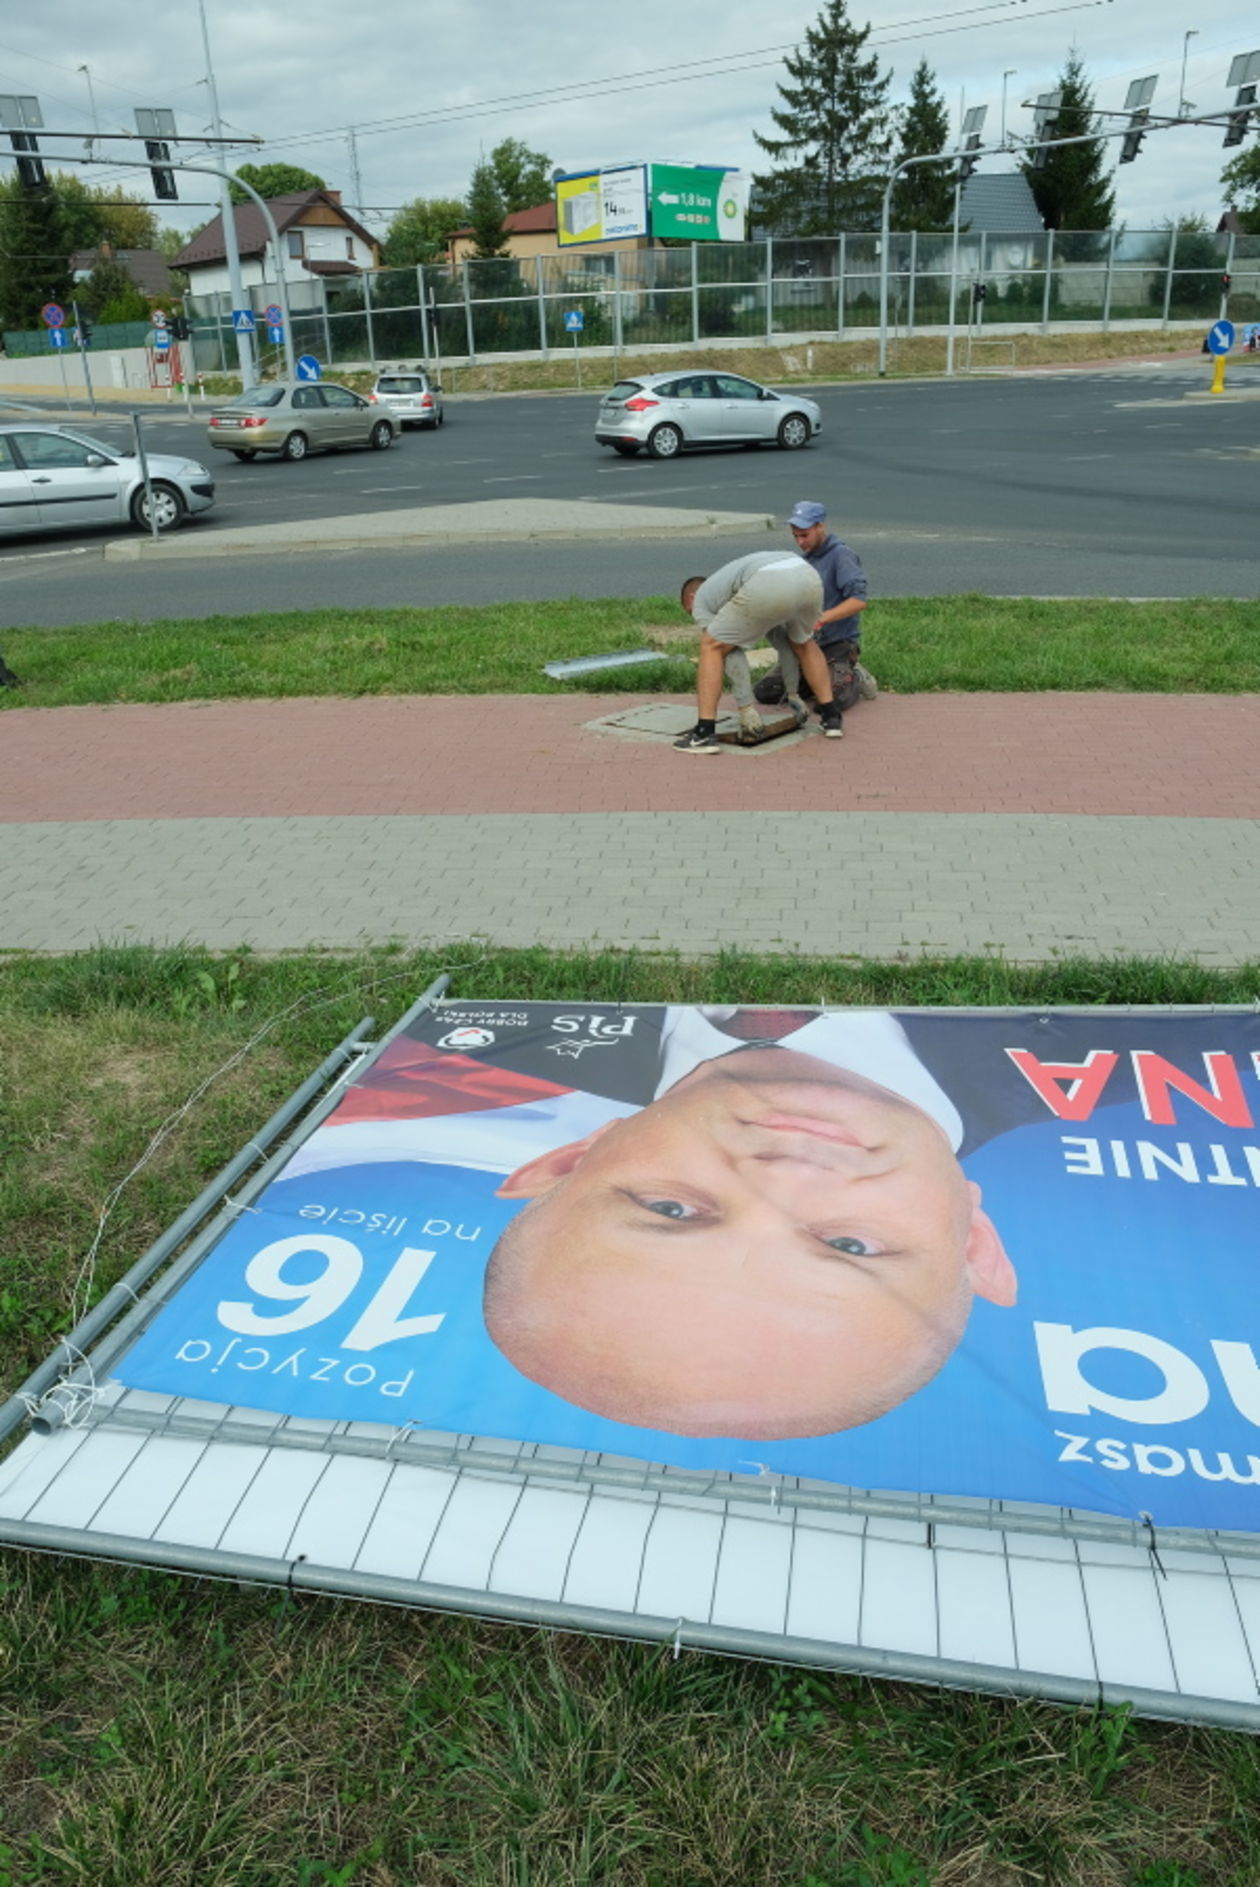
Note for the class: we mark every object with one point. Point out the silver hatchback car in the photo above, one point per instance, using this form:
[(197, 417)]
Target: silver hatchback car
[(412, 393), (669, 412), (53, 479), (294, 417)]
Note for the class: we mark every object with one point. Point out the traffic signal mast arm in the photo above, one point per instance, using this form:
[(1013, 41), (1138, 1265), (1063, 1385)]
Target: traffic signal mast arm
[(273, 234), (1223, 116)]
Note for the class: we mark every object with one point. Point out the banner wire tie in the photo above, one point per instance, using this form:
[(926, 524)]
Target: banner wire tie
[(678, 1640), (238, 1206), (288, 1578), (1151, 1545)]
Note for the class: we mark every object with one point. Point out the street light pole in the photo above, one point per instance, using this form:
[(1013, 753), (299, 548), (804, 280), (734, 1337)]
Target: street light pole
[(1009, 74), (231, 247), (1184, 107)]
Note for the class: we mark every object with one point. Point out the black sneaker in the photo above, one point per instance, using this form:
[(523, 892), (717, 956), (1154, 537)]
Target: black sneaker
[(832, 723), (693, 741)]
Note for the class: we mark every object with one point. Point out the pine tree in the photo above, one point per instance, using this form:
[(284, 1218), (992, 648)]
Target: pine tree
[(1073, 190), (924, 197), (830, 161), (486, 213), (34, 254)]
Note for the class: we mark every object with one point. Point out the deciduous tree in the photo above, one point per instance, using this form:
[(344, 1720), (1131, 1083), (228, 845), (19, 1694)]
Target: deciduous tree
[(274, 180), (1241, 178), (421, 230), (523, 176)]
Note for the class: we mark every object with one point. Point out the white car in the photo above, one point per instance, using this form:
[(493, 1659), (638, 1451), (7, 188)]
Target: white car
[(671, 412), (55, 479), (412, 393)]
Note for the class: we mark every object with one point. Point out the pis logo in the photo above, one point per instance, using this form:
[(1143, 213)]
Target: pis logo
[(584, 1032), (467, 1039)]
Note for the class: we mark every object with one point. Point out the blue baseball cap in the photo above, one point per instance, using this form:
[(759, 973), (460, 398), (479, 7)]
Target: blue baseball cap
[(806, 514)]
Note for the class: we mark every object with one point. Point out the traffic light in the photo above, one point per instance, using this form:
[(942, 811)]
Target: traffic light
[(967, 163), (978, 292), (86, 324), (1236, 129), (155, 127), (179, 327), (18, 116), (1131, 143), (1225, 281)]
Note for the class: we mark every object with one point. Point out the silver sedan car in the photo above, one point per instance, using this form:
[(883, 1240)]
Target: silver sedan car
[(294, 417), (669, 412), (56, 479)]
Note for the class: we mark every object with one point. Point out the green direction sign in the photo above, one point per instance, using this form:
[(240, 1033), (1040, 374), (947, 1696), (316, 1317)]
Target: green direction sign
[(687, 202)]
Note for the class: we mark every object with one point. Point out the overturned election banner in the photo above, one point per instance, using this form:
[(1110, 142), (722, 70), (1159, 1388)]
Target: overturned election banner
[(997, 1256)]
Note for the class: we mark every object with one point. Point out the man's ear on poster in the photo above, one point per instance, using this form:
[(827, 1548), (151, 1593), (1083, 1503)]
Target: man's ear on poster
[(539, 1175)]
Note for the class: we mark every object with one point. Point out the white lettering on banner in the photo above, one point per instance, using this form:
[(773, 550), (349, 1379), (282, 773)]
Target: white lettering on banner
[(1157, 1459), (598, 1025), (301, 1367), (1184, 1394), (379, 1323), (1101, 1159)]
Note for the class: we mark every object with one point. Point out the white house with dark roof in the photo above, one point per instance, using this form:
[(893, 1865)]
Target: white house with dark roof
[(317, 239)]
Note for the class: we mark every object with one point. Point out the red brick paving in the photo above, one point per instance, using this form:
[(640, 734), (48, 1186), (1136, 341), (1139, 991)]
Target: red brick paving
[(1196, 756)]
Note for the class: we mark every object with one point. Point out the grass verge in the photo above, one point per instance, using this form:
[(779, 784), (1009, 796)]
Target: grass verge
[(156, 1729), (915, 645)]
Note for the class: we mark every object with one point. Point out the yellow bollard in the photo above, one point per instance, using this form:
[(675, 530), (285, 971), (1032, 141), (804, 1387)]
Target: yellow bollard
[(1218, 376)]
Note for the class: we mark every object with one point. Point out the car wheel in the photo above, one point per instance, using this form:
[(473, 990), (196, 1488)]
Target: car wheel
[(665, 443), (381, 436), (246, 458), (168, 506), (295, 446), (794, 432), (626, 450)]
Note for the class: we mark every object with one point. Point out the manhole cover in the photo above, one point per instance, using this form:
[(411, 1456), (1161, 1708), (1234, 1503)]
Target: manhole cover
[(666, 720)]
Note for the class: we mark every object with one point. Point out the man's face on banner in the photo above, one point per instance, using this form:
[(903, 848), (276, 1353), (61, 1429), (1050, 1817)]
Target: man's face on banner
[(774, 1248)]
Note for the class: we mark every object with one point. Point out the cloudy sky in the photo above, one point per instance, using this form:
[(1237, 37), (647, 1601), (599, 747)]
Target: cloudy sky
[(428, 92)]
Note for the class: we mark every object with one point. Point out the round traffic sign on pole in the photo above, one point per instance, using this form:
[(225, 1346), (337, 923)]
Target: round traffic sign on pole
[(1220, 337), (308, 368), (273, 315), (54, 315)]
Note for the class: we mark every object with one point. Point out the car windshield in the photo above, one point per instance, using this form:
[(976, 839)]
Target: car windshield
[(94, 445), (397, 383), (259, 396)]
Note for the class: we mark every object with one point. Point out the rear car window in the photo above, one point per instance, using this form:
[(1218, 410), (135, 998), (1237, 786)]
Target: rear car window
[(398, 383), (624, 389), (259, 396)]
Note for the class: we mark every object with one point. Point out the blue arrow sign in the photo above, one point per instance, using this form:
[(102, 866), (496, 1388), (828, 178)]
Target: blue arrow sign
[(242, 321), (308, 368), (58, 337), (574, 321), (275, 335), (1220, 337)]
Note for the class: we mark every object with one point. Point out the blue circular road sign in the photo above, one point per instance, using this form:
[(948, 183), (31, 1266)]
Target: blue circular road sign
[(308, 368), (273, 315), (1220, 337), (53, 314)]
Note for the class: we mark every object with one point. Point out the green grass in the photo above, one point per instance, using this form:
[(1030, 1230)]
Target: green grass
[(914, 645), (161, 1730)]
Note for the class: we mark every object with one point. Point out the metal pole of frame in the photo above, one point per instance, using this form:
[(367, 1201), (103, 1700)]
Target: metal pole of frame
[(769, 289), (953, 277), (914, 263), (426, 343), (840, 264), (468, 317), (1111, 257), (619, 339), (367, 309), (695, 294), (542, 305), (1170, 263), (1045, 307)]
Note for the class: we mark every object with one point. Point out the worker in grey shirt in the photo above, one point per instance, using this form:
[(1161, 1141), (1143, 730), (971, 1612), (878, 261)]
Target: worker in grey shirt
[(736, 607), (838, 631)]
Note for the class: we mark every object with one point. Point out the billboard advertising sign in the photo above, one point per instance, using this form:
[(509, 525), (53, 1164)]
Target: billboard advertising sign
[(1007, 1256), (601, 205), (698, 204)]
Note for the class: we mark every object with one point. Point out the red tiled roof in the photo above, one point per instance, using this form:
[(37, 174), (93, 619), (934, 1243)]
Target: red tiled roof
[(540, 221), (251, 232)]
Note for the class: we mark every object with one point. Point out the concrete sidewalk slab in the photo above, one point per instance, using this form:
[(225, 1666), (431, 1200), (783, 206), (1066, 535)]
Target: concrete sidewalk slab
[(503, 520), (1028, 887)]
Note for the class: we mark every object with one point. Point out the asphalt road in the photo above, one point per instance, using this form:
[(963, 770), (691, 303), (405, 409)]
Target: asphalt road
[(1057, 485)]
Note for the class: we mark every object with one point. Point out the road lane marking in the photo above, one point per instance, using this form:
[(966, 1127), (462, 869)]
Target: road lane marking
[(374, 491), (515, 478), (31, 556)]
